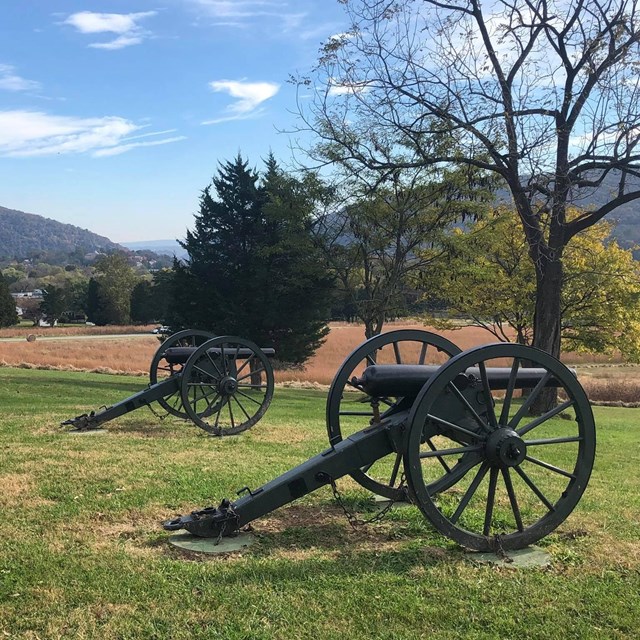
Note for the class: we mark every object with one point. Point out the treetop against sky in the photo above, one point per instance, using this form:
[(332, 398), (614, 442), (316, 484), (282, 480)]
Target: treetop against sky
[(113, 117)]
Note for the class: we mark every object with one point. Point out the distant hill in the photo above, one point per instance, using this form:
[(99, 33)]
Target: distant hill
[(162, 247), (626, 218), (22, 234)]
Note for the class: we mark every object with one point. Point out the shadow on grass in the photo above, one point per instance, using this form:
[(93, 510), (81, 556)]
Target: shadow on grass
[(340, 559), (291, 541)]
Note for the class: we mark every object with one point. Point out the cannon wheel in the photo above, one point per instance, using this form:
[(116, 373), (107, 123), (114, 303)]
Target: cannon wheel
[(347, 409), (513, 477), (223, 392), (160, 367)]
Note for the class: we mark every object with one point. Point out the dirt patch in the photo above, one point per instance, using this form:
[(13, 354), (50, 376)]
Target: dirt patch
[(18, 490)]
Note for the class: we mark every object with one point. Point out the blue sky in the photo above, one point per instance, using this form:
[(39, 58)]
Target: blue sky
[(114, 114)]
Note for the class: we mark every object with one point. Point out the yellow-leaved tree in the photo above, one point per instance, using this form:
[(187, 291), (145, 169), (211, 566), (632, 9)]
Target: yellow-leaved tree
[(490, 280)]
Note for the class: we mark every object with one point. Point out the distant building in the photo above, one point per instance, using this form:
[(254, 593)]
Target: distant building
[(36, 294)]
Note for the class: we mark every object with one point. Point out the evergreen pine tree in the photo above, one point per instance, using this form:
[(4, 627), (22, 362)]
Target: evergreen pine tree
[(252, 270), (8, 314)]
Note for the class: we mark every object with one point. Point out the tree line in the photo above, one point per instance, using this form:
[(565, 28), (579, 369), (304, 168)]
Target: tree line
[(274, 256)]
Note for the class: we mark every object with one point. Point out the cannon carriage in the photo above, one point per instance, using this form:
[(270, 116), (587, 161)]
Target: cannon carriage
[(410, 417), (223, 384)]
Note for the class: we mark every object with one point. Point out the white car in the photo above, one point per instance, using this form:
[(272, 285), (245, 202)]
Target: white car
[(162, 329)]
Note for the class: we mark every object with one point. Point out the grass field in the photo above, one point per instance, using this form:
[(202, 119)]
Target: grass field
[(82, 553)]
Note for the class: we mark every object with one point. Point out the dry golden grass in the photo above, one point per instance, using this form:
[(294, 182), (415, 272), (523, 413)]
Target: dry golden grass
[(344, 338), (80, 330), (605, 378), (112, 355)]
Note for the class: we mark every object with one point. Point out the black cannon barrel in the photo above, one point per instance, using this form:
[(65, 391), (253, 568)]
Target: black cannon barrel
[(403, 380), (179, 355)]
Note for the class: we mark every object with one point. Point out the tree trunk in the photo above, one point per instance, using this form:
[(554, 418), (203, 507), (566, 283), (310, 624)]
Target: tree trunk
[(546, 321)]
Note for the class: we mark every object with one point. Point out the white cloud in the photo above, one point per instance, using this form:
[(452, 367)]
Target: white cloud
[(36, 134), (124, 24), (115, 151), (241, 13), (338, 88), (119, 43), (11, 81), (249, 96)]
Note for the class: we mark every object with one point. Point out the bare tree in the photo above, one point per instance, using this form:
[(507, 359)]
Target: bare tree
[(377, 236), (542, 94)]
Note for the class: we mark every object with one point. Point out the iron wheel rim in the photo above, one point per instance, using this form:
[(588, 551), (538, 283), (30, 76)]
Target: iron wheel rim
[(342, 380), (186, 338), (543, 500), (226, 384)]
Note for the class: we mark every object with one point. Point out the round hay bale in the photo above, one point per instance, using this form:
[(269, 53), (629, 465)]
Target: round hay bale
[(31, 337)]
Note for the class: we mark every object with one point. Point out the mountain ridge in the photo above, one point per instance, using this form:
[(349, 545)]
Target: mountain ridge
[(23, 234)]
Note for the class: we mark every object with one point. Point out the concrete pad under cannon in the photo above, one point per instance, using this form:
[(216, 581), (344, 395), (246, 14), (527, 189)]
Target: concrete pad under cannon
[(518, 559), (194, 544), (383, 501)]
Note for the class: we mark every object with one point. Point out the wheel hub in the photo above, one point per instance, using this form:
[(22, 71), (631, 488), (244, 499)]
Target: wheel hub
[(505, 448), (228, 386)]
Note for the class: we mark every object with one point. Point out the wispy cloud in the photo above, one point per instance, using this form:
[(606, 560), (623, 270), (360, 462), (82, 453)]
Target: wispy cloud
[(35, 134), (11, 81), (243, 13), (340, 88), (122, 148), (125, 25), (249, 96)]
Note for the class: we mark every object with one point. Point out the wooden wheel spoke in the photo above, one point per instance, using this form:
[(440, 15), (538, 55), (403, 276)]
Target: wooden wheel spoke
[(396, 353), (242, 408), (251, 373), (550, 467), (480, 422), (512, 498), (201, 370), (454, 427), (532, 443), (508, 396), (244, 364), (206, 396), (248, 397), (233, 424), (486, 393), (450, 452), (529, 482), (469, 493), (432, 446), (215, 364), (531, 398), (491, 498), (394, 471), (544, 417), (217, 421)]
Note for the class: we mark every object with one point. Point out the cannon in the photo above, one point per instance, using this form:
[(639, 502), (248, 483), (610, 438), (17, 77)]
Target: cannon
[(223, 384), (453, 432)]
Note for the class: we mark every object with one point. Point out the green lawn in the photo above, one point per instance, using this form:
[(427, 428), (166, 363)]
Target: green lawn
[(82, 553)]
